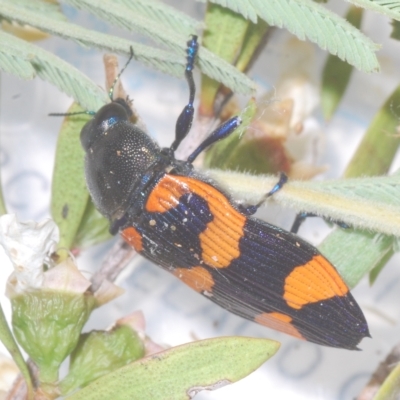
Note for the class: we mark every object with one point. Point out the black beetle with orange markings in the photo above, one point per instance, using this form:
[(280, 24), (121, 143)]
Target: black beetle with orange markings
[(183, 222)]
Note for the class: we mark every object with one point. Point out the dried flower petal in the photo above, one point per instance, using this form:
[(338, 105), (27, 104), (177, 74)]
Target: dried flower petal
[(28, 245)]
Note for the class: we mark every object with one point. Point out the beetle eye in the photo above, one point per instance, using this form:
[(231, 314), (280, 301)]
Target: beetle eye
[(110, 115), (107, 116), (110, 121)]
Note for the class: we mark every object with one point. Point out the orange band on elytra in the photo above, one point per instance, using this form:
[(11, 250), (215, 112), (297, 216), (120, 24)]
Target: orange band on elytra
[(220, 240), (278, 321), (198, 278), (314, 281), (133, 237)]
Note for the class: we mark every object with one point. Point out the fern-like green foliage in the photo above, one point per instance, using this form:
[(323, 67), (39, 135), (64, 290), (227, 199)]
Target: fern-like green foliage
[(171, 28), (309, 20), (391, 8), (161, 23), (27, 60)]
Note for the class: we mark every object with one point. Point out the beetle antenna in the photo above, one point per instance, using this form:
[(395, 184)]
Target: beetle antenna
[(69, 114), (184, 121), (111, 92)]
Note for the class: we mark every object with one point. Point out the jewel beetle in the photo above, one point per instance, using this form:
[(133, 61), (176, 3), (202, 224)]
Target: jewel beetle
[(182, 221)]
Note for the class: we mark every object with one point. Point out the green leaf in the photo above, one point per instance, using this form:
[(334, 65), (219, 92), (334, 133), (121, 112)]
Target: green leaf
[(69, 194), (336, 74), (167, 62), (379, 145), (99, 353), (225, 32), (163, 14), (119, 14), (150, 56), (225, 153), (128, 19), (384, 256), (355, 253), (365, 251), (251, 44), (389, 8), (307, 19), (365, 203), (52, 10), (245, 8), (47, 325), (3, 209), (395, 30), (9, 342), (390, 389), (94, 228), (26, 60), (181, 372), (224, 36)]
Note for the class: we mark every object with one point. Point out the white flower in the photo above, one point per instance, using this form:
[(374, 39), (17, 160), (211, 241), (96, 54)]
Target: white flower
[(28, 245)]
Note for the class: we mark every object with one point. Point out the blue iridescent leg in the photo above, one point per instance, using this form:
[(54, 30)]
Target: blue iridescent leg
[(184, 122), (252, 209), (301, 217), (220, 133)]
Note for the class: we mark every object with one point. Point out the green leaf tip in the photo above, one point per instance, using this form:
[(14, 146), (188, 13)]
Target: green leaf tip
[(183, 371)]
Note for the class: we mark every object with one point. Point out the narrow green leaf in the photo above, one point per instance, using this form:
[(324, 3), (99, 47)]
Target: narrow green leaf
[(341, 200), (390, 389), (389, 8), (225, 32), (385, 256), (364, 251), (26, 60), (251, 44), (223, 72), (159, 59), (118, 14), (243, 7), (164, 61), (11, 61), (94, 228), (125, 18), (183, 371), (366, 203), (336, 74), (355, 253), (224, 37), (9, 342), (52, 10), (395, 30), (379, 145), (69, 194), (307, 19), (164, 14)]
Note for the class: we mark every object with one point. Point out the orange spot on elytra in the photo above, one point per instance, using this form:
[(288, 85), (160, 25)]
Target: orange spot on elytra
[(198, 278), (220, 240), (133, 237), (314, 281), (278, 321), (165, 195)]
